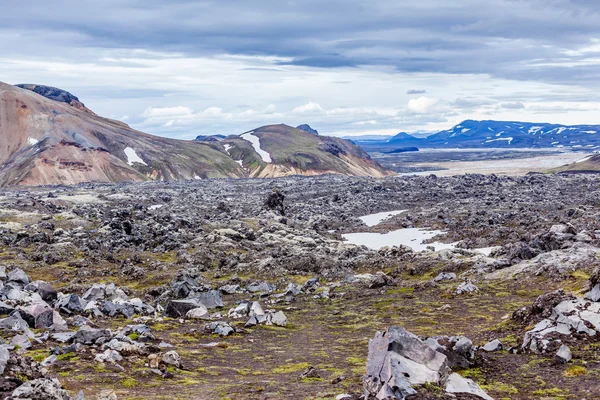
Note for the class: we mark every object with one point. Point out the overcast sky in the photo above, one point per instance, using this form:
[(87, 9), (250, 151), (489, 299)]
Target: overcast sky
[(347, 67)]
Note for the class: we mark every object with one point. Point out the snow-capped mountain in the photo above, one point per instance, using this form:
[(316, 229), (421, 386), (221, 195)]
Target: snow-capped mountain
[(488, 134)]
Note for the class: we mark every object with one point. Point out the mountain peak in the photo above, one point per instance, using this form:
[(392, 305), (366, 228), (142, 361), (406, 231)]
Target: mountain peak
[(307, 128), (56, 94)]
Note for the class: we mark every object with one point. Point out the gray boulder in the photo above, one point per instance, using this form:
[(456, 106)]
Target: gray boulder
[(71, 304), (278, 319), (210, 299), (179, 308), (494, 345), (457, 384), (19, 276), (38, 314), (4, 357), (445, 276), (399, 360), (89, 335), (172, 358), (467, 287), (38, 389), (44, 289), (221, 328)]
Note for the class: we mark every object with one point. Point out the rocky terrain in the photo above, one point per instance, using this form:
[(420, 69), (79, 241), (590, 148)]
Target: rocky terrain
[(47, 136), (244, 289)]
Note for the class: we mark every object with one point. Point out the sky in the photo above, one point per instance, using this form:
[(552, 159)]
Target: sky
[(346, 67)]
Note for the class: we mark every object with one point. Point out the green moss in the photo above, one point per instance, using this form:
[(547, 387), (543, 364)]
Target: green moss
[(473, 373), (500, 387), (289, 368), (65, 357), (575, 370), (129, 382)]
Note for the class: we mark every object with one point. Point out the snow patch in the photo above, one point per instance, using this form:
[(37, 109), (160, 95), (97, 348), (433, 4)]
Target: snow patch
[(376, 219), (508, 139), (583, 159), (132, 157), (465, 130), (534, 129), (266, 157), (227, 147), (31, 141)]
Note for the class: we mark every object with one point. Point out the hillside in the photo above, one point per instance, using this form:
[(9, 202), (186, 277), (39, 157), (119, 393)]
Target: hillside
[(278, 150), (47, 136), (503, 134), (589, 164)]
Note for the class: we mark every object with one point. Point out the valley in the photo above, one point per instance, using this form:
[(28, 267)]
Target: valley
[(246, 289)]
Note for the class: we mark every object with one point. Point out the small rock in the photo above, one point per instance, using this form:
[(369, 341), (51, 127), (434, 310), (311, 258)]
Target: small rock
[(109, 355), (494, 345), (107, 394), (563, 356), (458, 384), (172, 358), (197, 313), (279, 319), (466, 287), (445, 276)]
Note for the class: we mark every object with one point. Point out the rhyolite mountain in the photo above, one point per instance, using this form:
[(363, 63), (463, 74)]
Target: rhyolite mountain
[(279, 150), (47, 136), (504, 134)]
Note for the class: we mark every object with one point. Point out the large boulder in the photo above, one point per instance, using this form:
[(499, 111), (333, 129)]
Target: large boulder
[(19, 276), (89, 335), (71, 304), (179, 308), (44, 289), (38, 314), (399, 360), (47, 389), (210, 299)]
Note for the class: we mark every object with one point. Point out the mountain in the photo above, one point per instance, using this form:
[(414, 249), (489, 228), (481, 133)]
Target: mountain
[(489, 134), (57, 140), (307, 128), (278, 150), (209, 138)]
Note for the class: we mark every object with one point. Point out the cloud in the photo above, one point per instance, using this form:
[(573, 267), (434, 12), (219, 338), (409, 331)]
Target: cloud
[(513, 106), (294, 61), (422, 105), (470, 102), (167, 112), (310, 107)]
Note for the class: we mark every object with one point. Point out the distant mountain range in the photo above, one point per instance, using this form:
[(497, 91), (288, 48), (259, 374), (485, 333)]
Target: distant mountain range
[(48, 136), (503, 134)]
